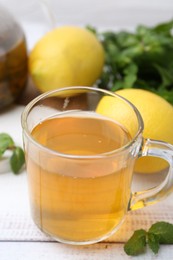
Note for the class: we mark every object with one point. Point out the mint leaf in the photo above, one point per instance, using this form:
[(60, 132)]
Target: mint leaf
[(136, 244), (164, 232), (5, 142), (17, 159), (165, 74), (153, 242), (130, 75), (159, 233), (164, 27)]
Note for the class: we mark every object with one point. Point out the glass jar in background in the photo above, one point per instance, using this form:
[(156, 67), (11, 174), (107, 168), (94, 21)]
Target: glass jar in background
[(13, 59)]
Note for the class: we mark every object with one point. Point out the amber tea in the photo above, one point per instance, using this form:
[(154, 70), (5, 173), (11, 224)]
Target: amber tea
[(79, 199)]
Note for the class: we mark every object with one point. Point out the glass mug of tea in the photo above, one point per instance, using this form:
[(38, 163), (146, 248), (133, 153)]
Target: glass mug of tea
[(80, 161)]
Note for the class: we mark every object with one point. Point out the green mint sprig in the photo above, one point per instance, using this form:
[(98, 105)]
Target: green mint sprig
[(159, 233), (17, 158), (139, 59)]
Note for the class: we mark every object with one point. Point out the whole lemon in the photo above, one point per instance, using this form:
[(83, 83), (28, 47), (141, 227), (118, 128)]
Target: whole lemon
[(157, 115), (66, 56)]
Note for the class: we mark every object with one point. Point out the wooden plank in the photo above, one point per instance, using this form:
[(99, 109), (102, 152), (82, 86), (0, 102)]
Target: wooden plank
[(53, 250)]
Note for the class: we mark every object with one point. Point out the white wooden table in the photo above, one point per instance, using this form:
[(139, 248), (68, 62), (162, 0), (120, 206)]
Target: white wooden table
[(19, 237)]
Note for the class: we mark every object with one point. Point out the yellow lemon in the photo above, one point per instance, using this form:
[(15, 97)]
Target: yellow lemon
[(157, 115), (66, 56), (119, 111)]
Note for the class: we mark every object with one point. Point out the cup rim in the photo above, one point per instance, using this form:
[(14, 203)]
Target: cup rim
[(29, 106)]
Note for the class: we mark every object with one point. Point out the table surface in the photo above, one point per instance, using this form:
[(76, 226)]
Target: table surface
[(19, 237)]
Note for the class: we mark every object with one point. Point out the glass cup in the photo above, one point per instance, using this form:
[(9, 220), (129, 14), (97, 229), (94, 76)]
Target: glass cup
[(81, 145)]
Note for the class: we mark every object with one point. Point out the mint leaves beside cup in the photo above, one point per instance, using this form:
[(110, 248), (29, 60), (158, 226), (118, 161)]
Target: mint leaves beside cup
[(159, 233), (17, 158)]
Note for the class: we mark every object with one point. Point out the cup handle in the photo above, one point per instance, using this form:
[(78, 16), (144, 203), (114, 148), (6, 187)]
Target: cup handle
[(151, 196)]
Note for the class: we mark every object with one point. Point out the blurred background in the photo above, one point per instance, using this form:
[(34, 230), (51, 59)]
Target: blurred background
[(114, 14)]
